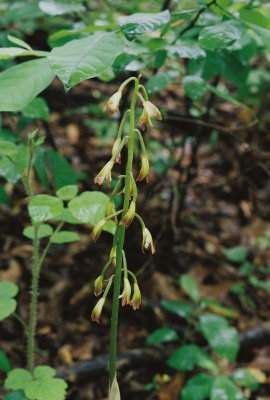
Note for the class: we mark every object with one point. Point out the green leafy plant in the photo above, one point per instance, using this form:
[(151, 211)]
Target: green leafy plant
[(221, 337), (251, 273)]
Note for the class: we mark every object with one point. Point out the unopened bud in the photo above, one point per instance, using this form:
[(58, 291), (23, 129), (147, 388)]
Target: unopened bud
[(126, 292), (113, 255), (96, 313), (147, 243), (105, 173), (129, 216), (136, 300), (98, 228), (113, 103), (144, 171), (98, 286), (115, 151)]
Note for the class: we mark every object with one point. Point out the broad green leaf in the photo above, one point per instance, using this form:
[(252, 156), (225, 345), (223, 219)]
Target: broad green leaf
[(66, 216), (44, 230), (18, 378), (223, 388), (186, 357), (242, 376), (21, 11), (8, 171), (17, 395), (185, 51), (11, 52), (38, 108), (194, 86), (89, 207), (197, 387), (160, 81), (254, 17), (218, 37), (8, 148), (50, 165), (7, 304), (190, 286), (67, 192), (64, 237), (162, 335), (19, 85), (40, 386), (52, 7), (85, 58), (43, 207), (263, 33), (236, 254), (137, 24), (4, 362), (179, 308), (222, 338)]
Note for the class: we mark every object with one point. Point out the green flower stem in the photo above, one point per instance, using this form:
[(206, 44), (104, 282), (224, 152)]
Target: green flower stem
[(121, 238), (36, 267), (141, 220), (33, 305), (141, 141), (142, 88)]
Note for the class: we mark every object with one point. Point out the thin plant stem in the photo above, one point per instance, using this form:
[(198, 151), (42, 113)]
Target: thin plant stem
[(121, 238), (33, 305), (36, 267)]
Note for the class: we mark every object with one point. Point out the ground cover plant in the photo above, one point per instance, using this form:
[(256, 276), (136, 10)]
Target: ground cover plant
[(94, 94)]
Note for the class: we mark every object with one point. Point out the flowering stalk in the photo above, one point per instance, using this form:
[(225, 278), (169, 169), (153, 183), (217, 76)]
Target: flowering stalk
[(130, 294)]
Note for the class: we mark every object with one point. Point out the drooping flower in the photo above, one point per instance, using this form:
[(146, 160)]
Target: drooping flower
[(116, 150), (97, 310), (112, 105), (126, 292), (144, 171), (149, 111), (136, 299), (147, 243), (104, 174), (129, 216), (98, 228), (98, 285)]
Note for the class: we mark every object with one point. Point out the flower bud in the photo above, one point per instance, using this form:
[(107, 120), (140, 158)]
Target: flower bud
[(105, 173), (98, 285), (129, 216), (136, 300), (98, 228), (126, 292), (113, 255), (113, 103), (96, 313), (147, 242), (144, 171), (115, 150)]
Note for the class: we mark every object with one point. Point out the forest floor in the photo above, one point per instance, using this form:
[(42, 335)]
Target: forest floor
[(208, 191)]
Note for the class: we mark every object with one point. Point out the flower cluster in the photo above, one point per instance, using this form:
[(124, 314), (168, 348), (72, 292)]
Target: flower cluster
[(130, 294)]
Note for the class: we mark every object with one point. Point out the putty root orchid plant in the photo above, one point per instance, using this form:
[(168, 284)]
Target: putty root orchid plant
[(123, 281)]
